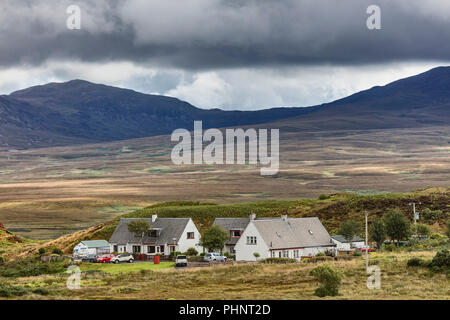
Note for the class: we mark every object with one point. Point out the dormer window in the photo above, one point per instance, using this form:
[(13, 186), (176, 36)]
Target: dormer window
[(154, 233), (235, 233)]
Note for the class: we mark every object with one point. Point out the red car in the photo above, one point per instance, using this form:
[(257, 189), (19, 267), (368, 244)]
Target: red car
[(363, 249), (105, 258)]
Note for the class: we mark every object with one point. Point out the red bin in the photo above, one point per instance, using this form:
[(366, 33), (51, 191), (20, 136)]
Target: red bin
[(156, 259), (143, 257)]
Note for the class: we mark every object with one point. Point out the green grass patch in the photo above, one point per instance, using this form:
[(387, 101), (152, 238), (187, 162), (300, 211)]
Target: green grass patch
[(113, 268)]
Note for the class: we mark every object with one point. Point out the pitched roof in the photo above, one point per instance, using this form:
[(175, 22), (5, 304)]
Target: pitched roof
[(342, 239), (170, 228), (95, 243), (231, 223), (293, 233)]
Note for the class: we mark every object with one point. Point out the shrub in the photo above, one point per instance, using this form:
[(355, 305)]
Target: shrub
[(57, 251), (202, 254), (357, 253), (441, 259), (320, 254), (415, 262), (41, 291), (227, 254), (27, 268), (432, 215), (41, 251), (256, 255), (191, 252), (423, 229), (8, 291), (324, 197), (389, 247), (2, 260), (330, 280), (279, 260)]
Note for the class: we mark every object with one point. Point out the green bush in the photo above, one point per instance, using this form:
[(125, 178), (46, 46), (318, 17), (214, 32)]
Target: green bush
[(389, 247), (432, 215), (191, 252), (57, 251), (41, 251), (330, 280), (324, 197), (320, 254), (27, 268), (41, 291), (2, 260), (415, 262), (9, 291), (357, 253), (279, 260), (441, 259), (202, 254)]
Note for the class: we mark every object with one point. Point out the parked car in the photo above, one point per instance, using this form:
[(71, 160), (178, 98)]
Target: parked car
[(125, 257), (89, 258), (181, 261), (105, 258), (214, 257), (364, 248)]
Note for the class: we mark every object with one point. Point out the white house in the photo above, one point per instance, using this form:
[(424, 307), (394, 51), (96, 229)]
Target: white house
[(91, 247), (164, 236), (283, 238), (345, 245), (234, 227)]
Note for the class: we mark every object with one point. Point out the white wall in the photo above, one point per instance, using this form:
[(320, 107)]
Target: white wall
[(244, 251), (184, 243)]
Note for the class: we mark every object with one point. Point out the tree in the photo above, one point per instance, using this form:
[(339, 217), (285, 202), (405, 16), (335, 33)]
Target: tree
[(330, 279), (349, 229), (423, 230), (138, 227), (256, 255), (214, 238), (397, 225), (377, 232)]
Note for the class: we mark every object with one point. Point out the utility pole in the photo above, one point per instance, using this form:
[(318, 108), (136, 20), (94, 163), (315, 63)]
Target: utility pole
[(367, 245), (415, 216)]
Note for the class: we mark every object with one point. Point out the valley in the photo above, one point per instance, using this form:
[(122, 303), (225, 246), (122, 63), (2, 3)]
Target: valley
[(49, 192)]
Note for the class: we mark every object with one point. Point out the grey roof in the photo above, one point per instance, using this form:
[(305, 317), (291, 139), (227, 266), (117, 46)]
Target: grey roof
[(231, 223), (95, 243), (170, 228), (293, 233), (342, 239)]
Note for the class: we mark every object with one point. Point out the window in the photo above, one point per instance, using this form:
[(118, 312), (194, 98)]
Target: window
[(295, 253), (116, 248), (279, 254), (251, 240), (136, 249), (154, 233), (285, 253), (150, 249), (232, 251), (190, 235), (273, 254), (235, 233)]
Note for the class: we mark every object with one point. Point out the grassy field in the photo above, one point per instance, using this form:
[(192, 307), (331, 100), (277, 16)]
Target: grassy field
[(46, 193), (113, 268), (247, 281)]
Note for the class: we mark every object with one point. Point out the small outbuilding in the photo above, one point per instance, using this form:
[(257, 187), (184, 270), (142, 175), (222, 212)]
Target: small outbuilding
[(344, 245), (91, 247)]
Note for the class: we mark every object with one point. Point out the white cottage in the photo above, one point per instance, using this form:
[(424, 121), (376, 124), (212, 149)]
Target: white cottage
[(283, 238), (164, 236), (91, 247)]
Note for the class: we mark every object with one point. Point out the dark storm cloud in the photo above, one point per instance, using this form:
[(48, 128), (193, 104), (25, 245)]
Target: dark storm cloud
[(208, 34)]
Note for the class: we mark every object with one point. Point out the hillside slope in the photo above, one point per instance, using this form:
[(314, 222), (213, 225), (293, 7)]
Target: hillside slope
[(331, 211)]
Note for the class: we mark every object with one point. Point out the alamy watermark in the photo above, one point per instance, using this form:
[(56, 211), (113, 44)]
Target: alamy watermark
[(231, 150)]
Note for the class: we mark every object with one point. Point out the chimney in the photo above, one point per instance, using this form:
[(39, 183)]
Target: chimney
[(284, 217), (252, 215), (154, 216)]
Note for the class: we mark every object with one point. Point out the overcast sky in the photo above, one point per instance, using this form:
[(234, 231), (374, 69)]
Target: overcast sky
[(230, 54)]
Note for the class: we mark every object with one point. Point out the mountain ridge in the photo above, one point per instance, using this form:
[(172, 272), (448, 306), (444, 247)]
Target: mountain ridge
[(79, 111)]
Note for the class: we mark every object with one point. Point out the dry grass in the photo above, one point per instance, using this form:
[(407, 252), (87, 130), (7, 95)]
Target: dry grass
[(254, 281)]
